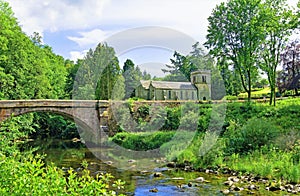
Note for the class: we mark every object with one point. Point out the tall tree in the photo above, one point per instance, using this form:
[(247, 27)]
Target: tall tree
[(175, 70), (234, 34), (279, 22), (129, 78), (289, 77), (97, 75), (197, 59), (132, 75)]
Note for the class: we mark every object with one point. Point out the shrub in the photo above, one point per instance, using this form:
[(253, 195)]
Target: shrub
[(231, 98), (255, 134), (142, 141)]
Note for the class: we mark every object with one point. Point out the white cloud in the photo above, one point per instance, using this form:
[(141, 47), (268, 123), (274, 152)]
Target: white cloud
[(90, 38), (95, 20), (74, 55), (57, 15)]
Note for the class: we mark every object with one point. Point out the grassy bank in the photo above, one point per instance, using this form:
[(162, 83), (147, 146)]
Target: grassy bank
[(256, 138)]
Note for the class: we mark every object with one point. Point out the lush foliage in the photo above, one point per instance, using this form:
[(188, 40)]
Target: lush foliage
[(30, 70), (288, 78), (25, 175), (246, 36), (97, 75), (142, 141), (197, 59), (253, 134), (132, 75)]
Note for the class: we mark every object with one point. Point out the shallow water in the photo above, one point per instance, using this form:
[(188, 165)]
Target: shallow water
[(66, 154)]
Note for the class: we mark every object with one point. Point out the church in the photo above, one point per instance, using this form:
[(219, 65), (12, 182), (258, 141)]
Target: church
[(198, 89)]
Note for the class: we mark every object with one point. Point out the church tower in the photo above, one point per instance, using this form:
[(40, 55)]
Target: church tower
[(202, 80)]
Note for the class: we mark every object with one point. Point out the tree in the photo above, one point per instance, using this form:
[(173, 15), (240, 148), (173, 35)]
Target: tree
[(288, 78), (97, 75), (32, 70), (182, 67), (175, 70), (230, 77), (279, 22), (234, 35), (130, 78)]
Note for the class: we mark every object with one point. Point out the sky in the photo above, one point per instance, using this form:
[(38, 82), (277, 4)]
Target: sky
[(145, 31)]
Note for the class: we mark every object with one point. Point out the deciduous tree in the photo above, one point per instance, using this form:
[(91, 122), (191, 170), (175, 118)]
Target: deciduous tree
[(279, 22), (235, 34)]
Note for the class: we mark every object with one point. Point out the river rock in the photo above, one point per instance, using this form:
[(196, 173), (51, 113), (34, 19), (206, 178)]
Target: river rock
[(144, 172), (272, 188), (252, 187), (228, 183), (157, 174), (238, 188), (177, 178), (75, 140), (200, 179), (109, 162), (171, 164), (233, 179), (225, 191), (154, 190), (131, 161)]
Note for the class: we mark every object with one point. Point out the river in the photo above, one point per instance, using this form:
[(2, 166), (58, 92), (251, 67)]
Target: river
[(66, 154)]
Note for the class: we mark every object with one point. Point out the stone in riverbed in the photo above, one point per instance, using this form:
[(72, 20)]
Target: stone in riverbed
[(177, 178), (238, 188), (225, 191), (131, 161), (200, 179), (252, 187), (154, 190), (171, 164), (157, 174), (272, 188), (228, 183), (233, 179)]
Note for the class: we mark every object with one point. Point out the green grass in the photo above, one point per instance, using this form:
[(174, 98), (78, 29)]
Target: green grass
[(256, 138), (143, 140), (257, 93)]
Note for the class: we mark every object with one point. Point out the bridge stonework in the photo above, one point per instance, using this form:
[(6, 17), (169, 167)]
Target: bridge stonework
[(87, 114)]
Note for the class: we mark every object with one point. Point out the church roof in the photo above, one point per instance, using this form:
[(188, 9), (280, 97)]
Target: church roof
[(168, 85), (145, 83)]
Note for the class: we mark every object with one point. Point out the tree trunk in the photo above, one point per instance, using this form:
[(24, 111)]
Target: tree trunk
[(249, 86), (271, 97)]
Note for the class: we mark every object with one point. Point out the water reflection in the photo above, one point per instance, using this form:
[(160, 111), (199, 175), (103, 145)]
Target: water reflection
[(66, 154)]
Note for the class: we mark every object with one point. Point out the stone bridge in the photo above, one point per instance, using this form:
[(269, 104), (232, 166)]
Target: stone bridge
[(87, 114)]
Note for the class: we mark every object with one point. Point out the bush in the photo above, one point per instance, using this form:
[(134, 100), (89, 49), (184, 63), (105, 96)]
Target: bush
[(29, 176), (231, 98), (25, 174), (142, 141), (255, 134)]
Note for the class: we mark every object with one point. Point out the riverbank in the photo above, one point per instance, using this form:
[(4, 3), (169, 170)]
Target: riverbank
[(257, 139)]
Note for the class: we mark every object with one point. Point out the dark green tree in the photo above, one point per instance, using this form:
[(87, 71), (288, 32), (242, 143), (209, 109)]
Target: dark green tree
[(97, 74), (131, 81)]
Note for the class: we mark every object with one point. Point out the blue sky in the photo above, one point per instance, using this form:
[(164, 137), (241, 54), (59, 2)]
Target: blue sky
[(71, 27)]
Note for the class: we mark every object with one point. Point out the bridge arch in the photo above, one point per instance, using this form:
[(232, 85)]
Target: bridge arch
[(86, 114)]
